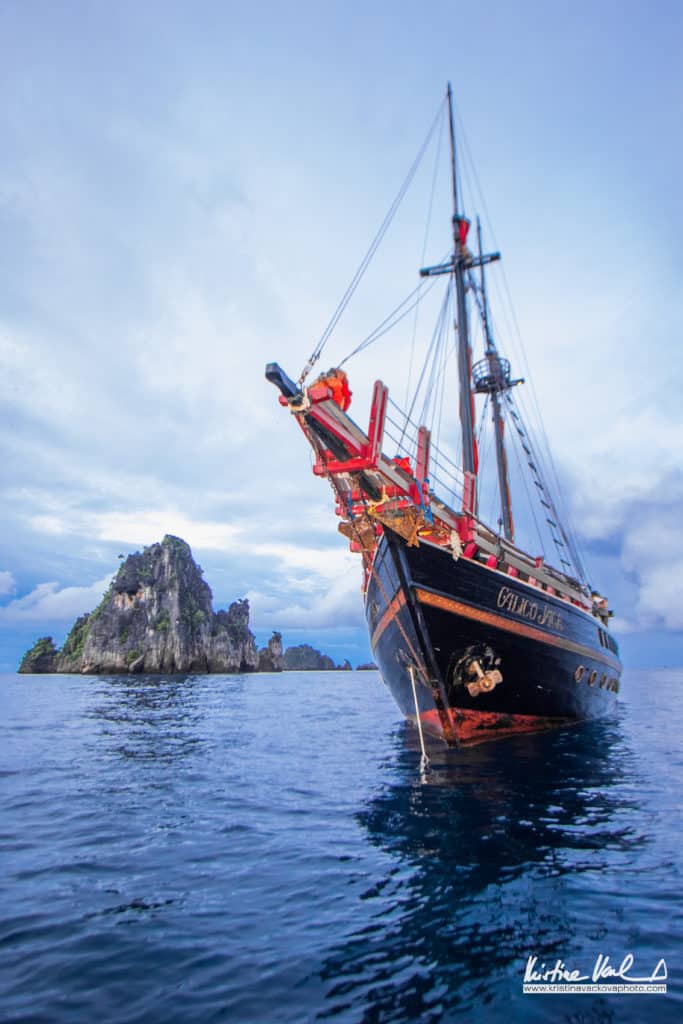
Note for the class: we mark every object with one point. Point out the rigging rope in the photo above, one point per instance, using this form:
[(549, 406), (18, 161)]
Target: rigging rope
[(532, 505), (389, 322), (424, 251), (433, 347), (374, 245), (544, 453), (435, 377), (437, 429), (562, 543)]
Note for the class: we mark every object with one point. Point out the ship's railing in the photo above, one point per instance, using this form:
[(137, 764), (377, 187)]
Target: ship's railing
[(446, 478), (446, 481)]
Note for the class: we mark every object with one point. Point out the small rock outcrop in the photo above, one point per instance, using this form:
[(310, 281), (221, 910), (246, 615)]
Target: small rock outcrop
[(270, 656), (232, 643), (41, 658), (157, 616), (305, 658)]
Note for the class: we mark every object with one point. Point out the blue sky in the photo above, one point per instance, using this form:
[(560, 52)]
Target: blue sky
[(185, 191)]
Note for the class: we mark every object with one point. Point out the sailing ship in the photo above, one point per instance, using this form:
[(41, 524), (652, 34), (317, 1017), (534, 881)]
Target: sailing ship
[(476, 638)]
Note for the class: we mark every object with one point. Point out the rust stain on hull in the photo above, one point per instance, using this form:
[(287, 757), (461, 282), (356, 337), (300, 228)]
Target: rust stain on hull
[(472, 727)]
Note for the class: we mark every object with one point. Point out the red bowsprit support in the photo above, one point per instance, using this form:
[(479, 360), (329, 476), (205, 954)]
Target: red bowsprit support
[(400, 487), (469, 495), (378, 412), (422, 460), (361, 456)]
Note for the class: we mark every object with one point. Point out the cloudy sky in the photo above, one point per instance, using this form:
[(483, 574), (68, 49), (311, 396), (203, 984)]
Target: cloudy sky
[(185, 191)]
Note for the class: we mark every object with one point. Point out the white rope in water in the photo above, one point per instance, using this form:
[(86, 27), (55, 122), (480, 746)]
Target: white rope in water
[(424, 760)]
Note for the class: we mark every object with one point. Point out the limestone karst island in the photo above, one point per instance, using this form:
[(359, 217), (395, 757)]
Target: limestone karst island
[(157, 617)]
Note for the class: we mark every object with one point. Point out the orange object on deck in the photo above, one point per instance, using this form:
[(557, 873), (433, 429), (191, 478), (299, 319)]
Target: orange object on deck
[(338, 383), (403, 463)]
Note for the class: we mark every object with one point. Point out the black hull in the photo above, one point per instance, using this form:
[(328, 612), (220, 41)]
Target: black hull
[(426, 611)]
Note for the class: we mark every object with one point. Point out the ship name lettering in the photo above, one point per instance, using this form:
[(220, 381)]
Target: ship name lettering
[(526, 609)]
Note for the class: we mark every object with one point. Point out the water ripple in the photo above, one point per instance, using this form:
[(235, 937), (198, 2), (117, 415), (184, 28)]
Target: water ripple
[(263, 849)]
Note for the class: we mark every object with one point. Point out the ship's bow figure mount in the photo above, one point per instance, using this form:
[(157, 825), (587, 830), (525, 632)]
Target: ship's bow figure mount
[(476, 638)]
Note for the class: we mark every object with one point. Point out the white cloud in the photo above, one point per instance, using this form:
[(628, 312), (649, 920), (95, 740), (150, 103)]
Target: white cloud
[(135, 528), (651, 550), (150, 525), (660, 601), (47, 602), (133, 371), (330, 604), (7, 584)]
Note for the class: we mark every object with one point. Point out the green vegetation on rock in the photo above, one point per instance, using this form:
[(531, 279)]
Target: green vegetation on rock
[(106, 598), (75, 641), (163, 623), (41, 657)]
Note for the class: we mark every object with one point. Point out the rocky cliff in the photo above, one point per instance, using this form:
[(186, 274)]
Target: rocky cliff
[(157, 616)]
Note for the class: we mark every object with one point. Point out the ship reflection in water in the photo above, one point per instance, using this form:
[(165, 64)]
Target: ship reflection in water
[(495, 856)]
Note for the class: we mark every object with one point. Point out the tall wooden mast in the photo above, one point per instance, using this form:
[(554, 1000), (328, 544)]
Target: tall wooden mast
[(459, 266), (461, 259)]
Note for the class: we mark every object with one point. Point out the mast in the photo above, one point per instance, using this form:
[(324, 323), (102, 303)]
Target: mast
[(496, 381), (459, 266), (460, 259)]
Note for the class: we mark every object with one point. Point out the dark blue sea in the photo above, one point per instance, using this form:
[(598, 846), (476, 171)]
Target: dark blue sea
[(263, 848)]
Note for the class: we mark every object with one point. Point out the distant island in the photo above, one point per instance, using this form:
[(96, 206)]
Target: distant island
[(157, 617), (305, 658)]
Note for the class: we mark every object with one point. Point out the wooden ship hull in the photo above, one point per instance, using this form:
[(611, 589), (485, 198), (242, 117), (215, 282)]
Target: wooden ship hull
[(425, 609)]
